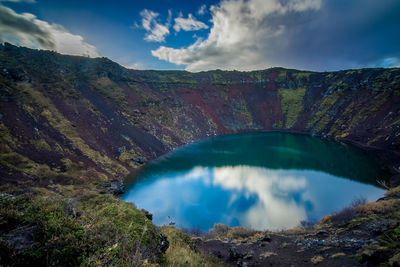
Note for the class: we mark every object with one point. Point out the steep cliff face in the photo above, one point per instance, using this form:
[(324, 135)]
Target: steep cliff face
[(61, 114)]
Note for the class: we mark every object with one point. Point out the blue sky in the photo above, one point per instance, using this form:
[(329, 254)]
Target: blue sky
[(231, 34)]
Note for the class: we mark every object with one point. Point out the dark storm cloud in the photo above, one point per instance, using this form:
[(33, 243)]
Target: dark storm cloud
[(344, 34), (27, 30), (13, 25)]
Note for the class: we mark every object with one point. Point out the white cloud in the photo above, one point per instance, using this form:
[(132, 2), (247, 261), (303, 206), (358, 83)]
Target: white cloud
[(189, 24), (389, 62), (26, 30), (244, 35), (156, 32), (202, 10), (135, 66)]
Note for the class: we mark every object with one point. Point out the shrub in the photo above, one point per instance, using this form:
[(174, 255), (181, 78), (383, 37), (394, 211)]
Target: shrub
[(306, 224), (349, 212), (193, 231), (223, 231), (219, 230), (183, 251)]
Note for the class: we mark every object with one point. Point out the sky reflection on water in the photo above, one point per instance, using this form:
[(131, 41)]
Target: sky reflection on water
[(259, 197)]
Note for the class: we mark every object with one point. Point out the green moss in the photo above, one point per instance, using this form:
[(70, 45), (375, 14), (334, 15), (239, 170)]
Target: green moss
[(302, 76), (395, 233), (182, 251), (64, 126), (41, 144), (320, 119), (239, 108), (291, 104), (258, 75), (167, 140), (282, 76), (128, 156), (111, 90), (353, 72), (247, 118), (396, 122), (6, 137), (322, 123), (16, 161), (218, 77), (95, 230), (359, 113)]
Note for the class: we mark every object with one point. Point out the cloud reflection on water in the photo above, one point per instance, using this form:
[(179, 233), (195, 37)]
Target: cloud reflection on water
[(255, 197), (276, 207)]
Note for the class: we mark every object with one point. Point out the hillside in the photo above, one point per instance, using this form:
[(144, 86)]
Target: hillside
[(71, 129)]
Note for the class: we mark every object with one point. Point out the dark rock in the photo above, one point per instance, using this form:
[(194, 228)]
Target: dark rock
[(266, 238), (374, 257), (72, 209), (115, 187), (378, 227), (260, 243), (395, 260), (164, 243), (249, 255), (234, 254), (6, 196), (21, 238), (395, 180), (5, 94), (148, 214), (139, 160), (217, 254), (322, 234), (118, 189), (241, 263)]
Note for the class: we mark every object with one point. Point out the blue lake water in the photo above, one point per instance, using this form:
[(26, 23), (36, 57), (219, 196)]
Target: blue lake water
[(261, 181)]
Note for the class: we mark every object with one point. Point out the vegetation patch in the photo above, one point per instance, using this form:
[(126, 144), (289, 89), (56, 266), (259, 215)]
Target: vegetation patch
[(111, 90), (64, 126), (291, 104), (40, 144), (320, 119), (77, 226), (268, 254), (317, 259), (362, 111), (183, 252), (224, 232)]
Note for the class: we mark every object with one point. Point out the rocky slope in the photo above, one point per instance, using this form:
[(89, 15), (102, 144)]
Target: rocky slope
[(84, 124)]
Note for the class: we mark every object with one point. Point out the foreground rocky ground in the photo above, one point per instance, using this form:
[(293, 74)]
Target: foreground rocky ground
[(360, 235), (75, 225)]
